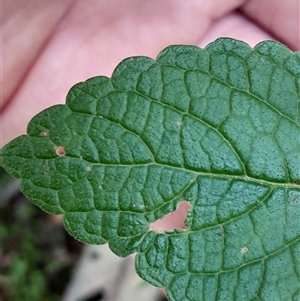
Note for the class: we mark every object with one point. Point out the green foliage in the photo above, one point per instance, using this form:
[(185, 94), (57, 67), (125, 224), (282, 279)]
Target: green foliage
[(218, 127), (25, 267)]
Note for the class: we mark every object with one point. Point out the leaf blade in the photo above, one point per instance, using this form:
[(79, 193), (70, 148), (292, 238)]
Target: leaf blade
[(218, 127)]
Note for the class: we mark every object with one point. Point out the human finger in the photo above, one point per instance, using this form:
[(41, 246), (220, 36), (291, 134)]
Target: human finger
[(280, 18)]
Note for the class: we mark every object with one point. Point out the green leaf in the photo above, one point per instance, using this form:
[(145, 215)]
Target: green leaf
[(218, 127)]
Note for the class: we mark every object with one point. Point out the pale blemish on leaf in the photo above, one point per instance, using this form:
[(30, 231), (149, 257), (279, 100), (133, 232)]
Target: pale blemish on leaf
[(44, 133), (244, 250)]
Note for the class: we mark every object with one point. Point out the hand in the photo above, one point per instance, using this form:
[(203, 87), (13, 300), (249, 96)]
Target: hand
[(48, 46)]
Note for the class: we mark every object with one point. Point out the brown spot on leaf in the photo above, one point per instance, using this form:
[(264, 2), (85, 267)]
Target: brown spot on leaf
[(294, 200), (60, 151), (173, 220)]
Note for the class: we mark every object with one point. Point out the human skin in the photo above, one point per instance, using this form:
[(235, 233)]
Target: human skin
[(48, 46)]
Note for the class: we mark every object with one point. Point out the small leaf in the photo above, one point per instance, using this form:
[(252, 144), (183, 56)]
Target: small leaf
[(218, 127)]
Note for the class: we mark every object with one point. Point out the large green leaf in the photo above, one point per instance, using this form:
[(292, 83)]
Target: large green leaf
[(219, 127)]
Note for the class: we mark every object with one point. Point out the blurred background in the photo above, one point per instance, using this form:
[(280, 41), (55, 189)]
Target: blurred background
[(39, 260), (48, 46)]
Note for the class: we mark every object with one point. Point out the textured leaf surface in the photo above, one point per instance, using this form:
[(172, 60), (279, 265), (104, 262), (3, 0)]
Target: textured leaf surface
[(219, 127)]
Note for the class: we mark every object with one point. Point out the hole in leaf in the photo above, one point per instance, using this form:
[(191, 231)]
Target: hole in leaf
[(60, 151), (173, 220)]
